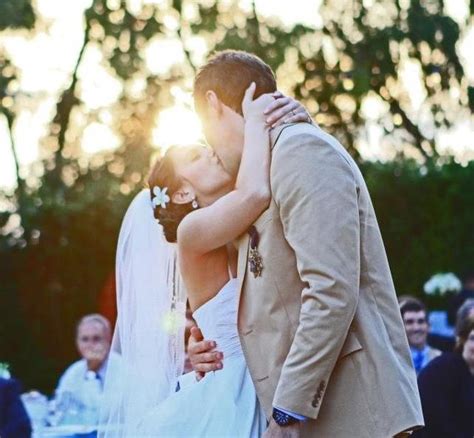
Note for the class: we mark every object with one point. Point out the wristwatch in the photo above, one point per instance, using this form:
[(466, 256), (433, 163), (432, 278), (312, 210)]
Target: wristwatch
[(283, 419)]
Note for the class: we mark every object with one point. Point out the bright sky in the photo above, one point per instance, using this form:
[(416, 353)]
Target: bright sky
[(46, 60)]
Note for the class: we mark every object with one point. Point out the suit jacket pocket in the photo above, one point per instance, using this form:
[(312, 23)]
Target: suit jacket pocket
[(351, 345)]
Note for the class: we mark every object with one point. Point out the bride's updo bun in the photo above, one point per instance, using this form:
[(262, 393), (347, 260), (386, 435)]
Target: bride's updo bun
[(163, 175)]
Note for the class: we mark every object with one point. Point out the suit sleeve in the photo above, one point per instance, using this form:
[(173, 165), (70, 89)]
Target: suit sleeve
[(314, 187)]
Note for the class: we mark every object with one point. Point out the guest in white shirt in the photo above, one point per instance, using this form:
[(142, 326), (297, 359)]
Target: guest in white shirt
[(415, 319), (82, 384)]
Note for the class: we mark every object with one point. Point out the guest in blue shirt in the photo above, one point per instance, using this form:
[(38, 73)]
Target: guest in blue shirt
[(415, 319)]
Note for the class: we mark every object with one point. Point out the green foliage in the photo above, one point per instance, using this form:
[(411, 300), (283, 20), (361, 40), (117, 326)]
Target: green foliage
[(425, 215), (16, 14), (360, 50), (370, 51), (59, 261), (7, 76), (130, 32)]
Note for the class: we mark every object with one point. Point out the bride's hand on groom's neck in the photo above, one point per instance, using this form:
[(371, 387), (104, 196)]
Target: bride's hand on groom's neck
[(253, 109), (202, 354), (284, 109)]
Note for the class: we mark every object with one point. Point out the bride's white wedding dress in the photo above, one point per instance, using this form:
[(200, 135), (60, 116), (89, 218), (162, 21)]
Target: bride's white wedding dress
[(224, 403)]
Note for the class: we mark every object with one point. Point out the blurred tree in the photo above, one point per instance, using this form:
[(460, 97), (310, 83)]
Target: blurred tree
[(425, 217), (8, 81), (367, 52), (390, 51), (15, 14), (59, 229), (16, 344)]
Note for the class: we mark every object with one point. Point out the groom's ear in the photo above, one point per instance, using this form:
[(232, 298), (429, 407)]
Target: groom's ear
[(183, 195), (214, 105)]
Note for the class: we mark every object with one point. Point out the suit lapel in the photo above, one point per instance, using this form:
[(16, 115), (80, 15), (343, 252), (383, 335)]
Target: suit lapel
[(244, 240), (242, 261)]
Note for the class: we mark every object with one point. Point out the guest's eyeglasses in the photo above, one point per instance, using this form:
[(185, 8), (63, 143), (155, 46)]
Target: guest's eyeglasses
[(95, 339)]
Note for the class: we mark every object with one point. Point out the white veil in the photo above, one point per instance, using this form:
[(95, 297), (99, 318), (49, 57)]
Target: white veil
[(149, 333)]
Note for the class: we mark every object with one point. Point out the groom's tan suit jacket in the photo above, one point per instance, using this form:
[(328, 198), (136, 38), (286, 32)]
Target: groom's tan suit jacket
[(321, 328)]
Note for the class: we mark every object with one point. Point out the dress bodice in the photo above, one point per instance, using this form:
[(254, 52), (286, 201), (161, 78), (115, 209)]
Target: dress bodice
[(217, 319), (222, 404)]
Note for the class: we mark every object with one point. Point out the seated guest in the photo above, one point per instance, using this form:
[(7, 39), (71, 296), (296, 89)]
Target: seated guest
[(466, 293), (14, 421), (447, 385), (83, 381), (415, 319), (441, 342)]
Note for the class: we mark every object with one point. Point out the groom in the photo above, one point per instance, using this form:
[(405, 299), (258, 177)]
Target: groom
[(319, 323)]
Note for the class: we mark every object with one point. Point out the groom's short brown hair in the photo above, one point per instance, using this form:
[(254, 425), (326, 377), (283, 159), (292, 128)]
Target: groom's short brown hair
[(228, 74)]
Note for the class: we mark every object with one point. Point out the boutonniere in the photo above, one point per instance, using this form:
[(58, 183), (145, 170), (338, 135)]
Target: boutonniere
[(255, 259)]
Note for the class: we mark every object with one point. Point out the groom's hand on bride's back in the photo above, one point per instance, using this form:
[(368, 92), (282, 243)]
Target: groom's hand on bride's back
[(202, 354)]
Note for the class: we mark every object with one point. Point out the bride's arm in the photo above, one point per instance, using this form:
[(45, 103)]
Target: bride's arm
[(212, 227)]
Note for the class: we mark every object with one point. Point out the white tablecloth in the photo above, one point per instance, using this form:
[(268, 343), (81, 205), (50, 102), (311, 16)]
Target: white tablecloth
[(66, 431)]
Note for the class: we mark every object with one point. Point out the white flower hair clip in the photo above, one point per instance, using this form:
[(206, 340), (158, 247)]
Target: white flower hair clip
[(160, 197)]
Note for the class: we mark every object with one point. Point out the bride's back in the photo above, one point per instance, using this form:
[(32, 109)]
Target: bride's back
[(204, 275)]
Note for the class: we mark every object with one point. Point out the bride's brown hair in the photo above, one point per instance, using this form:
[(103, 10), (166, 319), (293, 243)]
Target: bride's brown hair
[(163, 175)]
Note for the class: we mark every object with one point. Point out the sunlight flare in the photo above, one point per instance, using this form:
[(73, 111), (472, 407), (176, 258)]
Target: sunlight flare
[(176, 125)]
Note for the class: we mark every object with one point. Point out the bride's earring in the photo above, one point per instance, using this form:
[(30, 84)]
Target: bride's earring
[(194, 203)]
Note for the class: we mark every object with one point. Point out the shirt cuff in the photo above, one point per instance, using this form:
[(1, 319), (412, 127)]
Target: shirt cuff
[(293, 414)]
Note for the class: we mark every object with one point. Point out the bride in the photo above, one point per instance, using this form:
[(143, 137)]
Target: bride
[(198, 205)]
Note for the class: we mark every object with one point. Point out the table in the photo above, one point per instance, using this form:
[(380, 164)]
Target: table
[(66, 431)]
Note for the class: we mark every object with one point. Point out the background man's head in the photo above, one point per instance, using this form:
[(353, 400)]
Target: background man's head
[(219, 88), (468, 281), (93, 337), (465, 332), (415, 320)]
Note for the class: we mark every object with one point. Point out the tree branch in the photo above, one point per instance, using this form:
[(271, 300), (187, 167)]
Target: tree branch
[(412, 129), (187, 53), (68, 100), (19, 180)]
